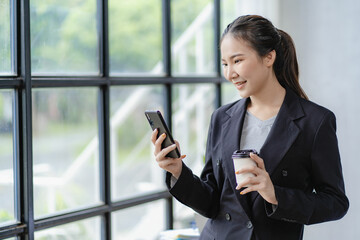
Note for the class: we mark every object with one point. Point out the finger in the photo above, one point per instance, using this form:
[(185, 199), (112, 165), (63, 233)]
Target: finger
[(158, 143), (165, 151), (250, 181), (251, 169), (247, 190), (154, 136), (165, 163), (178, 145), (259, 161)]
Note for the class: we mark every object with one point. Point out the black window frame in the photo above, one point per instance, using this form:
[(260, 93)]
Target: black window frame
[(23, 82)]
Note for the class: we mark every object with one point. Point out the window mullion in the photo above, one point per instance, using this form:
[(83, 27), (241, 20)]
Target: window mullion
[(104, 116), (166, 32), (25, 121)]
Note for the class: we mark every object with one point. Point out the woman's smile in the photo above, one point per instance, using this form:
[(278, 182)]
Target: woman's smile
[(239, 84)]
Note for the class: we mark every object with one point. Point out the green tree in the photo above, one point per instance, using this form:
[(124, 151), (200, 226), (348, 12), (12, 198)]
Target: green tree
[(64, 36), (135, 35)]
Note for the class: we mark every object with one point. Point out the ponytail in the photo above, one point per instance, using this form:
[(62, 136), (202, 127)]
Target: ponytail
[(286, 66), (261, 34)]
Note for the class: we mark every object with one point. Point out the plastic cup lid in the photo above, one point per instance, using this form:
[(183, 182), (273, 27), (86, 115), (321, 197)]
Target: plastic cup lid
[(243, 153)]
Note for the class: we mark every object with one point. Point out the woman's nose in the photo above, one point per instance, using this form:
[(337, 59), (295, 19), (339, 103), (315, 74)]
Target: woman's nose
[(231, 74)]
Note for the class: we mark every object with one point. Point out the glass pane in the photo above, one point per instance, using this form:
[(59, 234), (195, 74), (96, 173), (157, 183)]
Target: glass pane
[(89, 229), (131, 149), (192, 109), (7, 209), (192, 37), (65, 143), (143, 222), (229, 93), (5, 47), (64, 37), (231, 9), (135, 37)]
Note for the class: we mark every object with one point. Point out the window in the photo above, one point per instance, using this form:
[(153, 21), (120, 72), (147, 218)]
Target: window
[(192, 37), (7, 208), (135, 37), (65, 149), (5, 38), (76, 160), (64, 38), (192, 108), (146, 222), (88, 229), (132, 172)]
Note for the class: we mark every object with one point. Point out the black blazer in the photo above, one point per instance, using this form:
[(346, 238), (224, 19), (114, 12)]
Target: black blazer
[(300, 154)]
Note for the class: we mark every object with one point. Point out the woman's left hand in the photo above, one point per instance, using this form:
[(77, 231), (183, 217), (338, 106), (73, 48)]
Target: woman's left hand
[(261, 182)]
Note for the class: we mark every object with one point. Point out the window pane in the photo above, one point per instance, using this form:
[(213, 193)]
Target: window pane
[(134, 170), (89, 229), (64, 37), (65, 142), (192, 109), (229, 93), (135, 37), (192, 37), (230, 10), (143, 222), (5, 47), (6, 159)]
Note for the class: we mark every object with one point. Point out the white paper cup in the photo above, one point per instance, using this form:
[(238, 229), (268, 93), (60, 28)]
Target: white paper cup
[(241, 159)]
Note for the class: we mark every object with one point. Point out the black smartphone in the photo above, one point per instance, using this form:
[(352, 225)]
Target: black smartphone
[(156, 121)]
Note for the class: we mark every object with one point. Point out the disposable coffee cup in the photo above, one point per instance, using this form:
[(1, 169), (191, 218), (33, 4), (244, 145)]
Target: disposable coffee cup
[(241, 159)]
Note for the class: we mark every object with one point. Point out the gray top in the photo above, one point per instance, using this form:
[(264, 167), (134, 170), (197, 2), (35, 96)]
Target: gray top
[(255, 132), (253, 136)]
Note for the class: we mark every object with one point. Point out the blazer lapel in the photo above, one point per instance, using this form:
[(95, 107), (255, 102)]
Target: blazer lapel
[(281, 137), (283, 133), (231, 133)]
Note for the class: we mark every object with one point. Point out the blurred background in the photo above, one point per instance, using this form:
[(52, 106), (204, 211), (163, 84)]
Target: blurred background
[(68, 52)]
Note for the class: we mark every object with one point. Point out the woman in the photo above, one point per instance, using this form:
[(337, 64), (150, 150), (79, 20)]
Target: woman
[(298, 178)]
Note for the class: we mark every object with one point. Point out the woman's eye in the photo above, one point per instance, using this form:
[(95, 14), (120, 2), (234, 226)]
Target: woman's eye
[(237, 60), (224, 64)]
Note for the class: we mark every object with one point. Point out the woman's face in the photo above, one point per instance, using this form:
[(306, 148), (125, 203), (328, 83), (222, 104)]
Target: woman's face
[(244, 67)]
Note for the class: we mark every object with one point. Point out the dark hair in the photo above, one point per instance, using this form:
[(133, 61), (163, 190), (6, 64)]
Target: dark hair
[(263, 37)]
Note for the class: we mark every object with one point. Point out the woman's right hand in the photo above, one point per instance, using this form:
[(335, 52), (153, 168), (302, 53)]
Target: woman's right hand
[(172, 165)]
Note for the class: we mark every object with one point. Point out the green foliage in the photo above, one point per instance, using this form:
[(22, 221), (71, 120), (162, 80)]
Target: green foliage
[(60, 202), (66, 105), (63, 36), (135, 35), (5, 216), (183, 13)]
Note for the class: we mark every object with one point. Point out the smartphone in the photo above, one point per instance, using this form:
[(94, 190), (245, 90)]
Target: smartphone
[(156, 121)]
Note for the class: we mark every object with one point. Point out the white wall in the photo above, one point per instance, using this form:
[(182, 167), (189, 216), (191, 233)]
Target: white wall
[(327, 38)]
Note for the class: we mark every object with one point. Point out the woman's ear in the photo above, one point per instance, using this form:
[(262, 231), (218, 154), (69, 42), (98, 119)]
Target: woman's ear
[(269, 58)]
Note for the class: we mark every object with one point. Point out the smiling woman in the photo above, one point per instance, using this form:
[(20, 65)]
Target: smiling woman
[(286, 190)]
